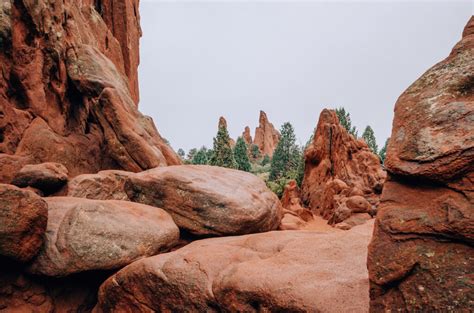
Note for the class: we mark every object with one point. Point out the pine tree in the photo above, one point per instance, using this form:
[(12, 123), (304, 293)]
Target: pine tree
[(286, 156), (254, 152), (369, 138), (223, 155), (383, 151), (266, 159), (241, 156), (181, 153), (191, 154), (200, 157), (345, 120)]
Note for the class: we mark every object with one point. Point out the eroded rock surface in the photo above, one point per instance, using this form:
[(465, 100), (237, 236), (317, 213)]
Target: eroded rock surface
[(208, 200), (339, 167), (105, 185), (86, 235), (68, 91), (266, 136), (47, 177), (426, 216), (23, 219), (290, 271)]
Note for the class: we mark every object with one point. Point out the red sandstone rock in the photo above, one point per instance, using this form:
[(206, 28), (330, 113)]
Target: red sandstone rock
[(296, 215), (105, 185), (68, 89), (339, 166), (47, 177), (208, 200), (247, 136), (23, 218), (85, 235), (266, 136), (426, 213), (286, 271)]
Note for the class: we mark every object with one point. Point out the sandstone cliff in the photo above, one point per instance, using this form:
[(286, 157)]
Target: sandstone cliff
[(266, 136), (342, 175), (69, 89), (427, 208)]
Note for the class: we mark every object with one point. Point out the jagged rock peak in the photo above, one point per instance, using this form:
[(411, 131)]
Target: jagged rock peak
[(266, 136), (339, 167), (247, 136)]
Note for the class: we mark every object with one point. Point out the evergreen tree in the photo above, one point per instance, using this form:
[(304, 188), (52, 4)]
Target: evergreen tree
[(369, 138), (241, 156), (286, 156), (200, 157), (209, 154), (223, 155), (181, 153), (191, 154), (254, 152), (383, 151), (345, 120), (266, 159)]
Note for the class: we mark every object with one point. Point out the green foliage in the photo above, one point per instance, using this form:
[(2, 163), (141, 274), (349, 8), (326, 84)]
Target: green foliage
[(345, 120), (266, 160), (369, 138), (241, 156), (278, 186), (223, 155), (383, 151), (209, 154), (200, 157), (254, 152), (286, 156), (191, 154), (302, 163), (181, 153)]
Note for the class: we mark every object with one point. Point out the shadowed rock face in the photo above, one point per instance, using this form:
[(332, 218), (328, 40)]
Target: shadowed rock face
[(266, 136), (427, 208), (291, 271), (338, 167), (69, 89)]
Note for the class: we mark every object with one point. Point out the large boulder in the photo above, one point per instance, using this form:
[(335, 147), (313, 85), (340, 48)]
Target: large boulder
[(286, 271), (104, 185), (266, 136), (85, 235), (23, 219), (208, 200), (337, 167), (47, 177), (68, 89), (426, 216)]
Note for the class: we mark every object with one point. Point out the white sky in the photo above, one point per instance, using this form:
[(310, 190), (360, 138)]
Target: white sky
[(203, 59)]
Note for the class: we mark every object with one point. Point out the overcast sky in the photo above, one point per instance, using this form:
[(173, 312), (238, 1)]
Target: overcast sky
[(202, 59)]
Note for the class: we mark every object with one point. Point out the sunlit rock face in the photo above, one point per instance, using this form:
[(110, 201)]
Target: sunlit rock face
[(427, 208), (342, 175), (68, 89)]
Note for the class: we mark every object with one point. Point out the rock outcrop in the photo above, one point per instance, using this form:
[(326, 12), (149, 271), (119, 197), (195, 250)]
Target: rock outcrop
[(292, 271), (266, 136), (426, 216), (208, 200), (339, 167), (23, 218), (68, 87), (295, 215), (47, 177), (86, 235), (247, 136), (105, 185)]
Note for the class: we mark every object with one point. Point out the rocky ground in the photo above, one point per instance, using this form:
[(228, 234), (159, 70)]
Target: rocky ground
[(98, 214)]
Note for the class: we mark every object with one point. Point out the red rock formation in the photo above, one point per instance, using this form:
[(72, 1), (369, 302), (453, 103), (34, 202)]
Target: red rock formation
[(266, 136), (23, 217), (338, 166), (285, 271), (295, 215), (223, 124), (247, 137), (427, 208), (47, 177), (69, 77)]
